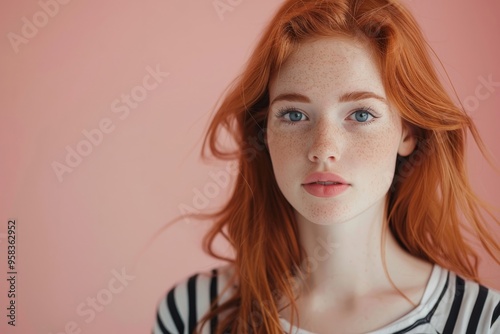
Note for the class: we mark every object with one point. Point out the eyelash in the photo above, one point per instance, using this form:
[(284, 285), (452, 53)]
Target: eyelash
[(286, 110)]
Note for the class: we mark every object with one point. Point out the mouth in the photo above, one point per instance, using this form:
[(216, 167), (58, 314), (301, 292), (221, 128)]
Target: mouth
[(325, 183), (324, 179), (325, 188)]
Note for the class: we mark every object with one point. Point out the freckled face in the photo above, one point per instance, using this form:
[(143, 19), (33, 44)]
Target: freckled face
[(339, 130)]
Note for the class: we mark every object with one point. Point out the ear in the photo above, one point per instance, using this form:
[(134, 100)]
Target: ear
[(408, 140)]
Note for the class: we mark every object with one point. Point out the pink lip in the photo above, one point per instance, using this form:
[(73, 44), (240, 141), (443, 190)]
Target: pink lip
[(330, 177), (320, 190)]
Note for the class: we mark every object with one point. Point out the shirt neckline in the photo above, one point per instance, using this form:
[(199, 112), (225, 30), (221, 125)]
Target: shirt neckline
[(426, 303)]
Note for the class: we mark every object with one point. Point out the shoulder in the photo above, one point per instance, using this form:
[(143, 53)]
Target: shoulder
[(467, 306), (451, 304), (183, 306)]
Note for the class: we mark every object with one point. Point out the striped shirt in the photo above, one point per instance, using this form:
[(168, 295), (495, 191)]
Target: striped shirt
[(450, 304)]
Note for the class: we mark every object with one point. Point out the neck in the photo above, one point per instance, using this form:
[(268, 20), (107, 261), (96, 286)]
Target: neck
[(344, 260)]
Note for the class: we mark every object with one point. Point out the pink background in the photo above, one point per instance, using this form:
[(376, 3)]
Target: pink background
[(73, 234)]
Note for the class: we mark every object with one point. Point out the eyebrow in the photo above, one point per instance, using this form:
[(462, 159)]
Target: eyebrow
[(347, 97)]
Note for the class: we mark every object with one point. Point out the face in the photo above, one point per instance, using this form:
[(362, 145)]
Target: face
[(328, 113)]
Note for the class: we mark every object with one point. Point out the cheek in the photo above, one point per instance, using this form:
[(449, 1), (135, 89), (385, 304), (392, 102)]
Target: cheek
[(283, 146), (379, 144), (286, 150), (375, 157), (375, 149)]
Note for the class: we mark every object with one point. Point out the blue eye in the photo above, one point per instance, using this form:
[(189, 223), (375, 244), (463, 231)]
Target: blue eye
[(362, 115), (294, 116)]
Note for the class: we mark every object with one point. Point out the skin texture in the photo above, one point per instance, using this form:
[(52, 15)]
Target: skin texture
[(346, 278)]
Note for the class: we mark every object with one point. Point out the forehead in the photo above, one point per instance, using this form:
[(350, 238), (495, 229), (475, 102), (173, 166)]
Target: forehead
[(328, 65)]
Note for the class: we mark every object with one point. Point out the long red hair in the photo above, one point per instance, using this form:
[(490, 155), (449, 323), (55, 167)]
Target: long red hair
[(430, 199)]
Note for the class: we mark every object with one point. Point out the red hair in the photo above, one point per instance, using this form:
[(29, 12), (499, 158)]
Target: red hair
[(430, 199)]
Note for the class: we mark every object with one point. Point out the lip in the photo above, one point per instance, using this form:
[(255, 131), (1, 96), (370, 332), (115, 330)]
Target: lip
[(320, 190), (325, 177)]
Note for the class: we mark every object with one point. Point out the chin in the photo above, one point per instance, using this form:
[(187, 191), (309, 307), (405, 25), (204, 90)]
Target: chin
[(322, 218)]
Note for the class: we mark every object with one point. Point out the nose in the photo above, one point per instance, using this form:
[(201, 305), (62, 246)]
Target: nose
[(325, 143)]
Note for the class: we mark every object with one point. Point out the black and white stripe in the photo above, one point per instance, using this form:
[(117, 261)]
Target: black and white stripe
[(462, 307), (186, 303), (473, 308), (450, 305)]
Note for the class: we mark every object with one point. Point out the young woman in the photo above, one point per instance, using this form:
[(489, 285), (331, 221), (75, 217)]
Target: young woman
[(347, 213)]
